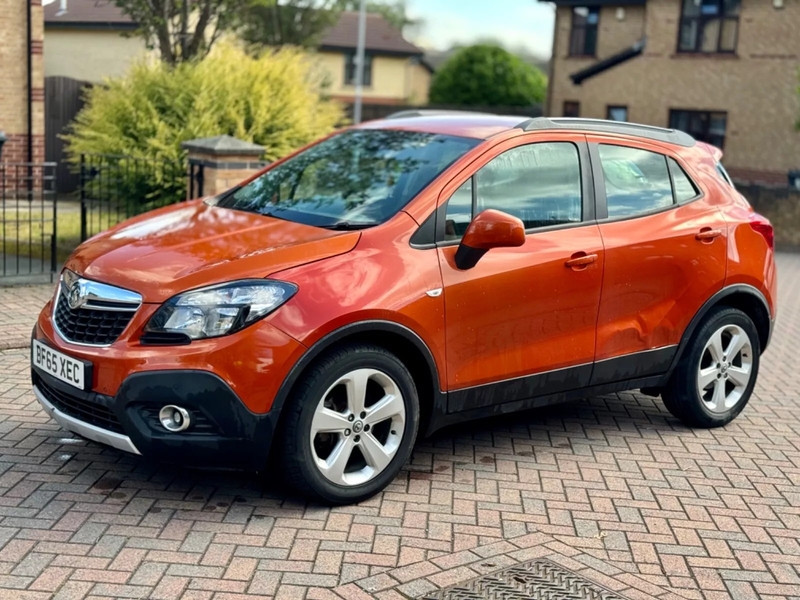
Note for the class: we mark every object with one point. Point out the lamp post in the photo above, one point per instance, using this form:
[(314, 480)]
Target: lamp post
[(3, 139), (362, 34)]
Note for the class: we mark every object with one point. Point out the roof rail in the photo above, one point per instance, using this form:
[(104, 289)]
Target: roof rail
[(660, 134), (421, 112)]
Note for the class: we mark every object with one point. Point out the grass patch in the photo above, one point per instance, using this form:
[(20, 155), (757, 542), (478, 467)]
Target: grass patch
[(27, 232)]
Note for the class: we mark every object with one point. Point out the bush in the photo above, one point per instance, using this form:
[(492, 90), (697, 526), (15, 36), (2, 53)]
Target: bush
[(274, 99), (487, 75)]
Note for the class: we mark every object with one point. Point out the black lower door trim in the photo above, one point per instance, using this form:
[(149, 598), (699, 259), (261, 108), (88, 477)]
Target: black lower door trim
[(629, 367), (633, 366), (494, 410), (529, 386)]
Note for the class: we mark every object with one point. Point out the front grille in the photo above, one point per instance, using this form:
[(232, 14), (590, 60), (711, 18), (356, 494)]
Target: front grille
[(90, 325), (85, 410)]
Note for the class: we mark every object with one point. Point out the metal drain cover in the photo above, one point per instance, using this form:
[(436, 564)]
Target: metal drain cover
[(534, 580)]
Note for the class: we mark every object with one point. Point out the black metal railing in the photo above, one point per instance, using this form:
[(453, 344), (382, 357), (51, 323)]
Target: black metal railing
[(28, 209), (116, 187)]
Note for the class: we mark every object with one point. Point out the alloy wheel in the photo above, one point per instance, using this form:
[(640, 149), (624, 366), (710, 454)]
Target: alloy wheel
[(357, 427), (725, 369)]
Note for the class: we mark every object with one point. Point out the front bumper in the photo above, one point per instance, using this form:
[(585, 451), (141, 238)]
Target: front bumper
[(223, 433)]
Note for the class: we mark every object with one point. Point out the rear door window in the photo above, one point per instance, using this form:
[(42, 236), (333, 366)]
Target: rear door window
[(636, 181)]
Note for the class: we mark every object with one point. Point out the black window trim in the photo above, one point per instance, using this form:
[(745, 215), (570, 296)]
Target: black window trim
[(700, 19), (572, 29), (601, 210), (588, 203)]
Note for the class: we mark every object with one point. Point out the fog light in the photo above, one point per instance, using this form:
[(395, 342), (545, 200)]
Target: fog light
[(174, 418)]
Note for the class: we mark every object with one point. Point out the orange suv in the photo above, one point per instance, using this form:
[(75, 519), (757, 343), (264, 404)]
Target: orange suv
[(403, 275)]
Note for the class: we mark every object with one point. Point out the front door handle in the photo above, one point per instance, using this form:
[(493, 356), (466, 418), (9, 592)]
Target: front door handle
[(707, 234), (580, 260)]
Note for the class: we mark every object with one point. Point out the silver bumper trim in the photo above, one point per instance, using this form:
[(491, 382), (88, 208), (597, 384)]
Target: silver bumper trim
[(91, 432)]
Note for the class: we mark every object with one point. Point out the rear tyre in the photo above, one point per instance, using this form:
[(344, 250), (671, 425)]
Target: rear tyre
[(716, 375), (350, 426)]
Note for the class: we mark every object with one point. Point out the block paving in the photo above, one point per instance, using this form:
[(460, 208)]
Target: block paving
[(612, 487)]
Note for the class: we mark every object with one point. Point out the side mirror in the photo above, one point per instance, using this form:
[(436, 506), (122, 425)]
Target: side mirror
[(489, 229)]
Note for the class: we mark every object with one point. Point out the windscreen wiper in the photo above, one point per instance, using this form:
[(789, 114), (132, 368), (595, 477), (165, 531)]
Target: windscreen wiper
[(348, 226)]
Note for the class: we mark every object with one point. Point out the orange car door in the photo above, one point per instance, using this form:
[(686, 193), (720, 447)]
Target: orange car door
[(521, 322), (665, 255)]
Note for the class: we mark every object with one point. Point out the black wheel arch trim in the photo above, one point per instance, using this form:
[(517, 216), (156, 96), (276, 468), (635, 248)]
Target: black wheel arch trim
[(439, 405), (711, 303)]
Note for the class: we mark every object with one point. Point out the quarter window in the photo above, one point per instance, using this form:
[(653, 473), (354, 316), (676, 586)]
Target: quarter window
[(459, 212), (583, 37), (539, 183), (709, 26), (636, 181), (724, 174), (704, 126), (681, 184)]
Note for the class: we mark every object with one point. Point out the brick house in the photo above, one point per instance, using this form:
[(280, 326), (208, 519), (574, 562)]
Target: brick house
[(725, 71), (21, 80)]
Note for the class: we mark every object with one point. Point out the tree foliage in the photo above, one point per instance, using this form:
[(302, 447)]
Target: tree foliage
[(274, 99), (394, 12), (182, 30), (487, 75), (186, 30), (295, 23), (303, 22)]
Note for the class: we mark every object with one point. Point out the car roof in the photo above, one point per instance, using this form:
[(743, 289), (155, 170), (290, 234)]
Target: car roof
[(484, 125)]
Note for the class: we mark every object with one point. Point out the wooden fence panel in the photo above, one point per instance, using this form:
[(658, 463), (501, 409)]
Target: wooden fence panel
[(63, 98)]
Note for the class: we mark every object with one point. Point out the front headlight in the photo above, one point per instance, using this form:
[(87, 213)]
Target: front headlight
[(220, 309)]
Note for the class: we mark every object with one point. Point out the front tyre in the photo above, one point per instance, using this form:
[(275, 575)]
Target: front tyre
[(716, 375), (351, 425)]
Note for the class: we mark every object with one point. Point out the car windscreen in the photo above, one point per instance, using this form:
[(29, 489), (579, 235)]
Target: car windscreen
[(357, 178)]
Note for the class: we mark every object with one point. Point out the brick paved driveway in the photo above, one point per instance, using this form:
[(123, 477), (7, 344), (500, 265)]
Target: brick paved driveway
[(612, 487)]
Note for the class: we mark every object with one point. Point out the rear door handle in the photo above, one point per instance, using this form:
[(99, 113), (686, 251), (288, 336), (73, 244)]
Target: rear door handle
[(708, 234), (580, 259)]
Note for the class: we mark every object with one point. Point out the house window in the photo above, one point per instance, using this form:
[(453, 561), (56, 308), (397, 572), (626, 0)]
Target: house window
[(583, 37), (709, 26), (704, 126), (572, 109), (617, 113), (350, 70)]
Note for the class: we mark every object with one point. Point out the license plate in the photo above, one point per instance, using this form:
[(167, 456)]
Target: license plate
[(60, 366)]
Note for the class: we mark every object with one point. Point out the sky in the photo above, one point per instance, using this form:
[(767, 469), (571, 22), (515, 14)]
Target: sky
[(526, 23)]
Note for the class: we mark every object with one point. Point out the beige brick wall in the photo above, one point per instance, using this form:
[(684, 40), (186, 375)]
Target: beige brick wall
[(757, 86), (14, 82), (221, 173)]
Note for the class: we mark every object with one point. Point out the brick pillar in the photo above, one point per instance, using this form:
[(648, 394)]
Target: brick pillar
[(224, 162), (14, 54)]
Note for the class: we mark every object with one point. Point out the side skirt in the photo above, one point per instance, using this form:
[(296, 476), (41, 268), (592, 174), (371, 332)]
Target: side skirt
[(495, 410), (638, 370)]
